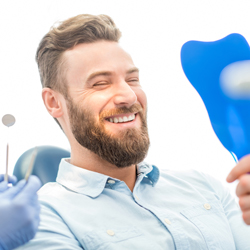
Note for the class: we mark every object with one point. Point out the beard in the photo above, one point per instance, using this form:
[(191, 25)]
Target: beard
[(130, 147)]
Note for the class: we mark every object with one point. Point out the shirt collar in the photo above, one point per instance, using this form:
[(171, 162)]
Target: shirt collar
[(151, 171), (80, 180), (91, 183)]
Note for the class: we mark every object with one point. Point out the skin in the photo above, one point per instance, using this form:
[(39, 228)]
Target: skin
[(241, 173), (118, 87)]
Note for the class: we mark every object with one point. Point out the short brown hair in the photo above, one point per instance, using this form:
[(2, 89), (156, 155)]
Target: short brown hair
[(84, 28)]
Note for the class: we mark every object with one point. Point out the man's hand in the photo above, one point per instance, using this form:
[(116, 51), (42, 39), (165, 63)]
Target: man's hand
[(241, 172), (19, 213)]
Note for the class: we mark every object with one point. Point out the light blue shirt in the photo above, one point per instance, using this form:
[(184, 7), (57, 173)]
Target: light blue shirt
[(168, 210)]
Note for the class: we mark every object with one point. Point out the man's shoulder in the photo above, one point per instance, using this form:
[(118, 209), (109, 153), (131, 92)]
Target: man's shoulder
[(52, 193), (192, 176), (183, 174), (49, 188)]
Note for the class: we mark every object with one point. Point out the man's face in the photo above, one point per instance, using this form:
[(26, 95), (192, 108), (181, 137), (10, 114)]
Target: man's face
[(106, 105)]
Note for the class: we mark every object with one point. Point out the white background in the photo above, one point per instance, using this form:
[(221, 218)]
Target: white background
[(153, 33)]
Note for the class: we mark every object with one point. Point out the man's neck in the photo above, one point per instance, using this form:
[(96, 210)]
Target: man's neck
[(86, 159)]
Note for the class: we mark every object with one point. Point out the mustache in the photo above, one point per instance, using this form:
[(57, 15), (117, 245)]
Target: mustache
[(135, 108)]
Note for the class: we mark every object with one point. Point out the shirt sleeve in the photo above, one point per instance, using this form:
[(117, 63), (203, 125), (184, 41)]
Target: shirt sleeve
[(240, 230), (53, 233)]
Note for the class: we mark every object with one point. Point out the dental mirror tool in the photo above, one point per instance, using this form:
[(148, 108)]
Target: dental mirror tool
[(8, 120)]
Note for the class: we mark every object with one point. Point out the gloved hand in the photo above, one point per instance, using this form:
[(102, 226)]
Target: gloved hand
[(19, 213), (4, 184)]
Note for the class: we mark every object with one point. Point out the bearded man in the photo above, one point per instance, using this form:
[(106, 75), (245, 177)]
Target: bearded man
[(105, 196)]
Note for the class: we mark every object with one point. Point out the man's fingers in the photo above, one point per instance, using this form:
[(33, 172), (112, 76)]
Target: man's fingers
[(30, 189), (243, 186), (241, 168), (244, 202), (246, 217)]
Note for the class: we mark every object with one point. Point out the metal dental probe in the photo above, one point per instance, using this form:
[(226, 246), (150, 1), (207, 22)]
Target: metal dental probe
[(8, 120)]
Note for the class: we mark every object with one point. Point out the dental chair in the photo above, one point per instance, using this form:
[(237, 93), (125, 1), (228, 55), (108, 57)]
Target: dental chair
[(46, 163)]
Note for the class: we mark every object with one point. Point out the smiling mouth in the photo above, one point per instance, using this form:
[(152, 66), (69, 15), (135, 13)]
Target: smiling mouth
[(121, 118)]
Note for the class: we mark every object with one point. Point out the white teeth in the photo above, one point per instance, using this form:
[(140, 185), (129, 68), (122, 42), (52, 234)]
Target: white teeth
[(131, 117), (122, 119), (125, 119)]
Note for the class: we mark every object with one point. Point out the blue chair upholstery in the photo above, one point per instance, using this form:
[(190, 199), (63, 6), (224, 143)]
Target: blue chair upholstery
[(46, 163)]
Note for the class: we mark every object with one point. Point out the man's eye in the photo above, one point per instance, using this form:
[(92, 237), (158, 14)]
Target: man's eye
[(133, 80), (100, 84)]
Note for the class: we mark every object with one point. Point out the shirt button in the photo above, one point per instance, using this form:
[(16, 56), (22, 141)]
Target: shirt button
[(110, 232), (168, 221), (136, 197), (111, 181), (207, 206)]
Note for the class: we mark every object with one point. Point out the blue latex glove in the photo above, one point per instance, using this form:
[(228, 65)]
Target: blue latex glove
[(4, 184), (19, 213)]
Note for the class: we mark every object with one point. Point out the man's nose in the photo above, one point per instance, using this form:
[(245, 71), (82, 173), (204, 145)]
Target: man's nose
[(124, 95)]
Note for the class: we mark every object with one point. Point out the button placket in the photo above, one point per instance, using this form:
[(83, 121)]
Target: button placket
[(167, 221), (136, 197)]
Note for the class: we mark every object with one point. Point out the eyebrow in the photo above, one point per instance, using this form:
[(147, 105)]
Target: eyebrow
[(108, 73)]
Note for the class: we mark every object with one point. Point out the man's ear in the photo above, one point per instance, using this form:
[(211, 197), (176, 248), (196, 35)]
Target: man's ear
[(53, 102)]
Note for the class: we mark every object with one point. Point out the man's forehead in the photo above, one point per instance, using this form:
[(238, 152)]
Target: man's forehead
[(97, 48), (98, 56)]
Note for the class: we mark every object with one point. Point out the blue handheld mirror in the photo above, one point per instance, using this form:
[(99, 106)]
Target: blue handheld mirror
[(220, 72)]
